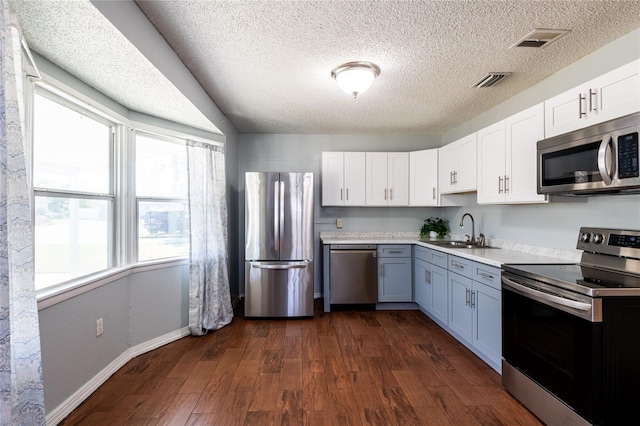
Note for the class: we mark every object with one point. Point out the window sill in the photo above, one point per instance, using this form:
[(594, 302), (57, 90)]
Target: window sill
[(48, 297)]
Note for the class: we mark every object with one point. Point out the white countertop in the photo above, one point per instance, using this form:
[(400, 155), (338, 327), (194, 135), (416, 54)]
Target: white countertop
[(490, 256)]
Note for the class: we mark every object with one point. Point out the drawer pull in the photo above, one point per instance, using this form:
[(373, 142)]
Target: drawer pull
[(457, 265), (485, 275), (395, 251)]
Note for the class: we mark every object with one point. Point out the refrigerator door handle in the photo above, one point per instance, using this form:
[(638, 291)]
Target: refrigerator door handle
[(281, 209), (281, 266), (276, 216)]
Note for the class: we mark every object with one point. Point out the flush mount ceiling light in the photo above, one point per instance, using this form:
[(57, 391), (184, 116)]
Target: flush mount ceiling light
[(355, 78)]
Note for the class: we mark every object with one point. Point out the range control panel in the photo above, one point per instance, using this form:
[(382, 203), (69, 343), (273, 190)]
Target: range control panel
[(617, 242)]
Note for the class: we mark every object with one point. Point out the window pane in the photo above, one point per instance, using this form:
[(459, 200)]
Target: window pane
[(71, 151), (71, 238), (163, 230), (161, 168)]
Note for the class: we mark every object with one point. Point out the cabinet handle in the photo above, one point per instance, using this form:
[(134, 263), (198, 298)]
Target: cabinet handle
[(451, 178), (467, 297), (391, 194), (427, 276), (485, 275), (499, 184), (395, 251), (455, 177), (473, 299), (434, 192), (385, 194), (340, 194), (593, 106), (506, 184), (580, 99), (457, 265), (347, 194)]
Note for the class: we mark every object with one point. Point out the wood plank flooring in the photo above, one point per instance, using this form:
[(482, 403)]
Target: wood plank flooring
[(342, 368)]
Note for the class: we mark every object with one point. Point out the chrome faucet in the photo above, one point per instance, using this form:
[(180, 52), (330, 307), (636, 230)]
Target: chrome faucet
[(473, 227)]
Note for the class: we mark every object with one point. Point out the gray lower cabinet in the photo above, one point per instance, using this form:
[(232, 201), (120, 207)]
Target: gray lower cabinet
[(394, 273), (475, 308), (430, 283)]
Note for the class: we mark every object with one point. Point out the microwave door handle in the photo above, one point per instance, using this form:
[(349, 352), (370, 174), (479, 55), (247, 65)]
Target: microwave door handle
[(605, 155)]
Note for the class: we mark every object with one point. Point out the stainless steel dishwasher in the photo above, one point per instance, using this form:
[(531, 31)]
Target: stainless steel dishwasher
[(353, 274)]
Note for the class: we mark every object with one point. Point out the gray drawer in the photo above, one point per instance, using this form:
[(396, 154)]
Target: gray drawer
[(388, 250), (439, 258), (486, 274), (422, 253), (461, 266)]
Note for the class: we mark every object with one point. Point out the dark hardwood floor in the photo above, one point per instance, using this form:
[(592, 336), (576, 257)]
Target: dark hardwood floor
[(341, 368)]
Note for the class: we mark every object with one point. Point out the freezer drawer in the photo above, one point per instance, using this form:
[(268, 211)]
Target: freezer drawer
[(278, 289)]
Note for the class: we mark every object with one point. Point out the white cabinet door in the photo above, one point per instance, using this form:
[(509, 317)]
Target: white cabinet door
[(376, 183), (609, 96), (523, 131), (460, 314), (423, 178), (354, 178), (343, 178), (457, 166), (491, 164), (332, 178), (398, 178), (387, 182), (447, 163), (618, 92), (465, 174), (486, 303)]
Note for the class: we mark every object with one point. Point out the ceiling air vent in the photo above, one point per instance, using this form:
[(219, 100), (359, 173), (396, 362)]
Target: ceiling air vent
[(491, 79), (539, 38)]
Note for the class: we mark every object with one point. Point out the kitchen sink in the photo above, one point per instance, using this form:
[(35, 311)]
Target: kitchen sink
[(456, 244)]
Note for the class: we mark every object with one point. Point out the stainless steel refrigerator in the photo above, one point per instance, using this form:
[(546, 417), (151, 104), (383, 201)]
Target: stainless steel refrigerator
[(278, 244)]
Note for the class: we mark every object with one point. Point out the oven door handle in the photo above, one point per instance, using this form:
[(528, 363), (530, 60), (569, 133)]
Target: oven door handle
[(562, 303)]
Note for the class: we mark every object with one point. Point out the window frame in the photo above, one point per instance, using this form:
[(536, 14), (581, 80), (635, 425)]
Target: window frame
[(126, 123), (112, 196), (149, 198)]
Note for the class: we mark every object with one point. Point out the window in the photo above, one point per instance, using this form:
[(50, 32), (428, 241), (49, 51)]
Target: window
[(161, 192), (73, 183)]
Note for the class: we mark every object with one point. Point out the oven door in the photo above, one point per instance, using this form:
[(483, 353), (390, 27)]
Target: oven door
[(552, 346)]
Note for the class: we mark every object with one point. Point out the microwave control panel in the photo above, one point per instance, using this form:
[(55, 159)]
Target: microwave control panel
[(628, 156)]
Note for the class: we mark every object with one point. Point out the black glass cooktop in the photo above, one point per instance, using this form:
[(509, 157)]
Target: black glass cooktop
[(581, 279)]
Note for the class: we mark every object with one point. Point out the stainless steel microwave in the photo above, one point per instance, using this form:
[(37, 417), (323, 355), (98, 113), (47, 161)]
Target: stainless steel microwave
[(595, 159)]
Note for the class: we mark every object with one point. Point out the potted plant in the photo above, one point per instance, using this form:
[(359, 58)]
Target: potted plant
[(434, 227)]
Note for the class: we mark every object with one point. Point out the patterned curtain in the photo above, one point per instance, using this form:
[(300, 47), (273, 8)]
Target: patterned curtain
[(21, 391), (209, 295)]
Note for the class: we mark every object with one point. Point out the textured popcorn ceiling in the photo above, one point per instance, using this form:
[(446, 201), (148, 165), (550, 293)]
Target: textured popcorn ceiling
[(78, 38), (267, 64)]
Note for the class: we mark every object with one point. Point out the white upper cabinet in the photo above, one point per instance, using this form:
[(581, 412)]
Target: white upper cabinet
[(343, 178), (609, 96), (457, 166), (387, 182), (423, 178), (507, 159), (492, 164)]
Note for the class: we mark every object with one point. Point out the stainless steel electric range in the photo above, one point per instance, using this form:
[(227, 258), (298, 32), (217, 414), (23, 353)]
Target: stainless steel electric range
[(571, 333)]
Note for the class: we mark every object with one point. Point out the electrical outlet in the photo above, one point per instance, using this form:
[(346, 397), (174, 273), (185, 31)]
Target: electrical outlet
[(338, 223), (99, 327)]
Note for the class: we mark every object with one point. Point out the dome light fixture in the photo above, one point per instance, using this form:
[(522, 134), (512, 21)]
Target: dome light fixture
[(355, 78)]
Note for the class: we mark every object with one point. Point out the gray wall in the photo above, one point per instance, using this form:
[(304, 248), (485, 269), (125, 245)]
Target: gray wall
[(144, 305), (303, 153)]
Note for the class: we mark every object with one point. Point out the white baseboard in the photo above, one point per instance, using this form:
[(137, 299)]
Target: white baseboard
[(63, 410)]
